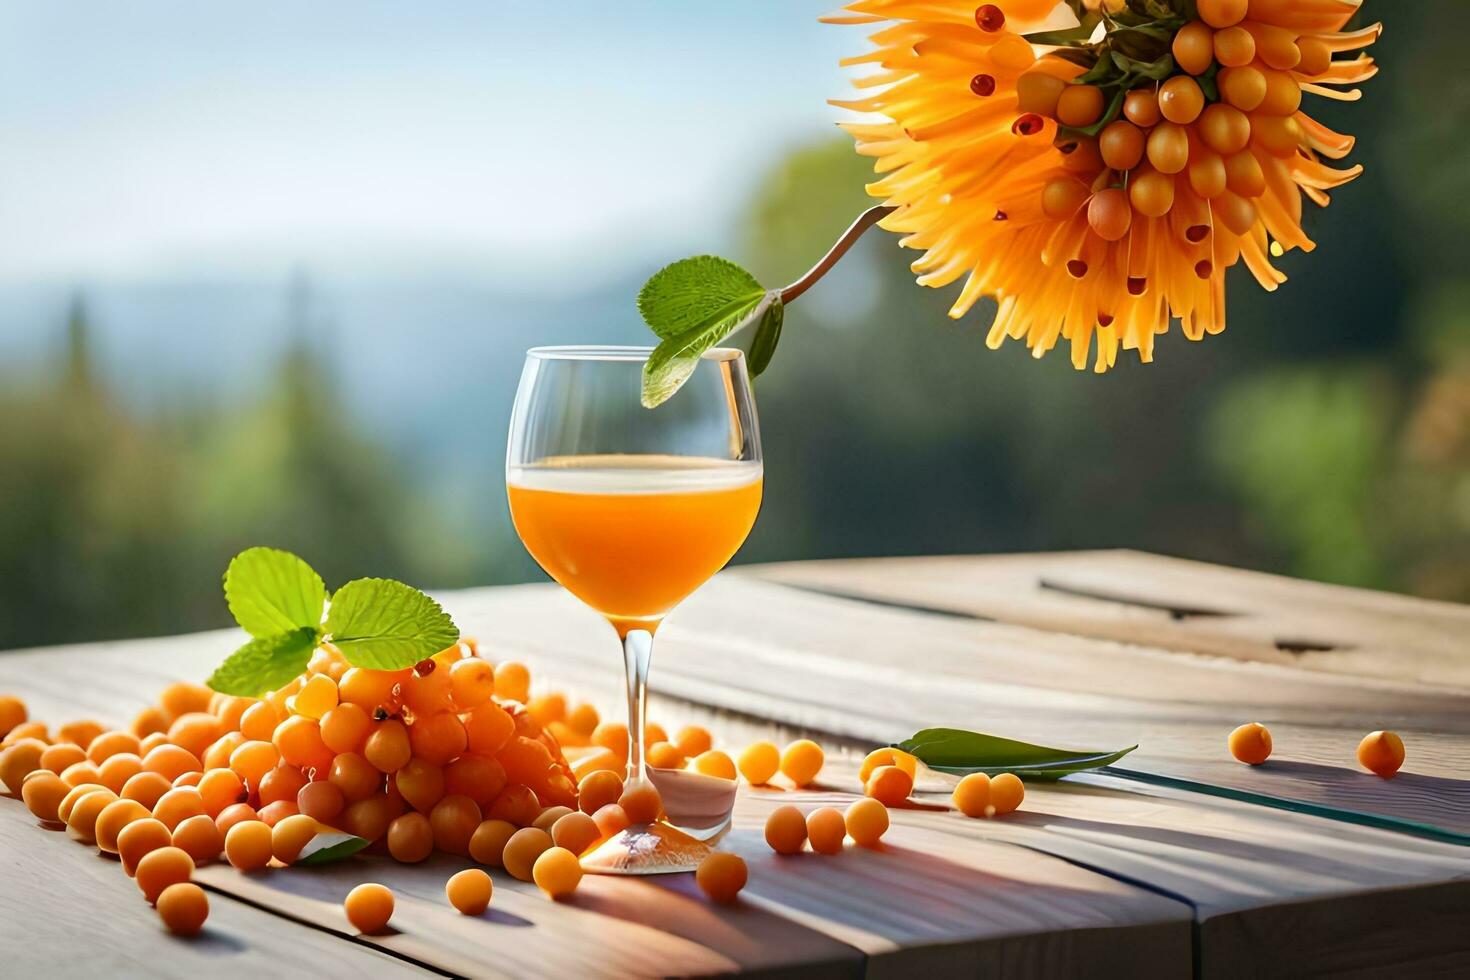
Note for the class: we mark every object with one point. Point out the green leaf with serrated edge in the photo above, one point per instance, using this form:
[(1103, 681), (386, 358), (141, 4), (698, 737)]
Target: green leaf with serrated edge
[(674, 360), (959, 752), (271, 592), (385, 625), (767, 336), (264, 664), (695, 292), (330, 847)]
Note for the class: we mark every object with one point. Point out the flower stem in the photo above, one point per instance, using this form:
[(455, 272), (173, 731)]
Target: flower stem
[(839, 248)]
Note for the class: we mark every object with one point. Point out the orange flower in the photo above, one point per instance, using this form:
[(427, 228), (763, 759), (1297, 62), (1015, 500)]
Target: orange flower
[(1099, 180)]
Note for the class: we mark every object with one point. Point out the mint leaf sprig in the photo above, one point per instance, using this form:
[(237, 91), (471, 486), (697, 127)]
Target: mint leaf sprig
[(280, 600), (695, 303)]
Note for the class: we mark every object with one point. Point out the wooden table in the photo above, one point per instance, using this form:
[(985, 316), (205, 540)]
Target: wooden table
[(1145, 869)]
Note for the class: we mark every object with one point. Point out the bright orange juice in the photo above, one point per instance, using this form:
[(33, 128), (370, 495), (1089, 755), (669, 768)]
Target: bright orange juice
[(633, 535)]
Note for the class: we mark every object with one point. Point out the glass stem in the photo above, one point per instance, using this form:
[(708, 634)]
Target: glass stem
[(637, 653)]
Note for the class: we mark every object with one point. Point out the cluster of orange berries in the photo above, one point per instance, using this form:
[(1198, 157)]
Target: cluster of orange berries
[(1224, 147), (1381, 753)]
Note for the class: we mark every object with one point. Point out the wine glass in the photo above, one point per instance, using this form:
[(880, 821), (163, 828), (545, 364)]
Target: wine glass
[(632, 509)]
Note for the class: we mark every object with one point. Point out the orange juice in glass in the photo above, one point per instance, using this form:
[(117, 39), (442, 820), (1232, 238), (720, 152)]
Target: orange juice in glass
[(632, 509)]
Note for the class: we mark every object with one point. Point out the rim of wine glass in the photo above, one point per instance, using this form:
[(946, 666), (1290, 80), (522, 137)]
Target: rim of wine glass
[(617, 352)]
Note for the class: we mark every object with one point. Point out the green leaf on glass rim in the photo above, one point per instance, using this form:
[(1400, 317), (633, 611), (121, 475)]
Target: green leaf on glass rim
[(330, 847), (271, 592), (674, 360), (696, 292), (767, 336), (385, 625), (956, 751), (264, 664)]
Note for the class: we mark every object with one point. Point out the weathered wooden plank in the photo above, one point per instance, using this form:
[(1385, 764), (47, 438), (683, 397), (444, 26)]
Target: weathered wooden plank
[(69, 911), (1171, 604)]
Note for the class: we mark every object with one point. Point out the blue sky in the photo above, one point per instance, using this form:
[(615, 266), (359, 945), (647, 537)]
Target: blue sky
[(176, 138)]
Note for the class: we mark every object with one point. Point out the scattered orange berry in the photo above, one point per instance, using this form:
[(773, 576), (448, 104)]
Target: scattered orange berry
[(469, 890), (1250, 743), (867, 821), (1006, 793), (759, 762), (1381, 753), (801, 761), (889, 785), (183, 907), (972, 795), (557, 872), (826, 829), (369, 907), (786, 830), (160, 868), (721, 875)]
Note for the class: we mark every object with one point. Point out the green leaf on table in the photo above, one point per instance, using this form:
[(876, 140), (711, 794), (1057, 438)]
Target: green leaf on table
[(767, 336), (264, 664), (385, 625), (272, 592), (693, 304), (330, 847), (956, 751)]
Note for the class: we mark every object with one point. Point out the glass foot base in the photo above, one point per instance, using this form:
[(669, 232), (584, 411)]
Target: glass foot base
[(646, 849)]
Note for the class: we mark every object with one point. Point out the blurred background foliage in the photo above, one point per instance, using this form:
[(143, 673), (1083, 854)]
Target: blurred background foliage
[(1326, 434)]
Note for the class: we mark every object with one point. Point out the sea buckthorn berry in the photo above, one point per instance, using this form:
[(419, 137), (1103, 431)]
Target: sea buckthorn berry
[(1250, 743), (1151, 193), (316, 697), (1225, 129), (195, 732), (1237, 213), (299, 741), (199, 838), (1316, 58), (786, 830), (63, 809), (283, 783), (111, 821), (189, 780), (471, 683), (145, 787), (181, 698), (252, 760), (1222, 13), (1244, 88), (598, 789), (1167, 147), (273, 813), (1121, 144), (231, 710), (641, 802), (81, 772), (149, 721), (665, 755), (513, 681), (1006, 793), (219, 788), (217, 756), (1243, 174), (81, 820), (171, 761), (356, 777), (421, 784), (479, 777), (1283, 94), (488, 728), (1180, 100), (43, 793), (1109, 215), (867, 822), (694, 740), (320, 800), (248, 845), (233, 814), (150, 742), (345, 728), (715, 763), (989, 18), (259, 721), (369, 689), (388, 747), (469, 891), (720, 876), (1038, 92), (826, 829), (12, 713), (550, 816), (522, 849), (1234, 47), (369, 818), (27, 729), (161, 868), (1062, 197), (889, 785), (759, 762), (487, 843), (1206, 176), (801, 761), (972, 795), (438, 738), (369, 907), (516, 804), (19, 761), (583, 719), (80, 732), (1141, 107), (140, 837), (115, 771), (1079, 105), (178, 805), (1381, 753), (183, 907), (613, 736), (61, 757), (598, 759), (290, 835), (109, 744), (557, 872), (548, 708), (653, 732), (454, 820), (575, 831), (611, 819), (1193, 47)]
